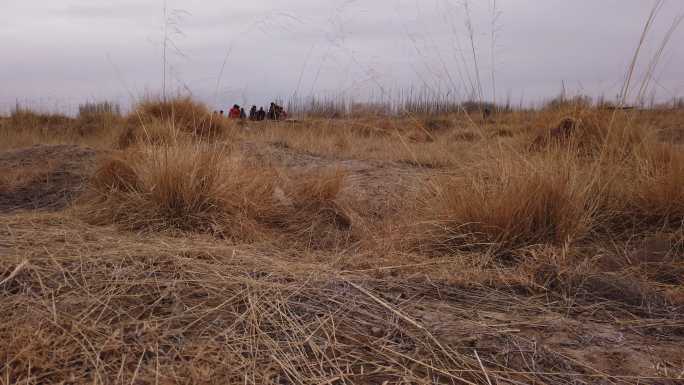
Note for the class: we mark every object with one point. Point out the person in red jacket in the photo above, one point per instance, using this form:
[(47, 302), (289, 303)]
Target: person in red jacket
[(234, 112)]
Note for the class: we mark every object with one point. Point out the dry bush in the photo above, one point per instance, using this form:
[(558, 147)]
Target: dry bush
[(193, 188), (203, 188), (316, 215), (631, 183), (507, 203), (157, 133), (180, 114), (116, 174), (641, 190), (658, 197)]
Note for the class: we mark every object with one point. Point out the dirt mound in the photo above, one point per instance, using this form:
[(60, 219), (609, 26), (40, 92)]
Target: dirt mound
[(43, 177)]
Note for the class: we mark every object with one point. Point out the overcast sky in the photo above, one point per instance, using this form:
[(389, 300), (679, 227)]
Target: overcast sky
[(54, 54)]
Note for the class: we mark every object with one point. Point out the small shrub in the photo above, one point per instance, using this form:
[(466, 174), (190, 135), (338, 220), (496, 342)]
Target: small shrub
[(181, 113), (315, 214), (163, 188), (116, 175), (645, 191), (199, 188), (513, 205)]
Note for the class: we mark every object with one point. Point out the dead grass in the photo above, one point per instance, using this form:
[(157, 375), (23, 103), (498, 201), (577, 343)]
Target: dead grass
[(658, 197), (172, 310), (189, 188), (180, 113), (365, 250), (206, 188), (507, 203)]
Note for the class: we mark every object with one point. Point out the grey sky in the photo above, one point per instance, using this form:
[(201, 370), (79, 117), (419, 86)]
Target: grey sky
[(55, 54)]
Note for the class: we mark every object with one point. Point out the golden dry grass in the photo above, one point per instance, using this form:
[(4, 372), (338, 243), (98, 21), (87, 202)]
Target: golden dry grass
[(208, 188), (366, 250)]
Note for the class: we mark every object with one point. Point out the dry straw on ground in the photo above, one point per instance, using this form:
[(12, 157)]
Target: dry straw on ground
[(366, 251)]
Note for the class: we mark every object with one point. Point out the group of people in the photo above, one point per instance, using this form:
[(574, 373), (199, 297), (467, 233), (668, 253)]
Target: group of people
[(275, 112)]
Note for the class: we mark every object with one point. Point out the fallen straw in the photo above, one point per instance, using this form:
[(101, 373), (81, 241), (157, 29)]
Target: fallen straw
[(14, 272)]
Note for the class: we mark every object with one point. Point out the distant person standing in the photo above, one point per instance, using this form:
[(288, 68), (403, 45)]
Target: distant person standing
[(261, 114), (243, 115), (253, 113), (234, 112), (272, 112), (279, 112)]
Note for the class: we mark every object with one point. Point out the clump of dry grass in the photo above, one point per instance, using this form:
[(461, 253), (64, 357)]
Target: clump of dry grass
[(166, 122), (583, 133), (316, 213), (591, 132), (206, 188), (156, 133), (171, 187), (658, 197), (507, 203), (639, 187), (182, 113), (115, 174)]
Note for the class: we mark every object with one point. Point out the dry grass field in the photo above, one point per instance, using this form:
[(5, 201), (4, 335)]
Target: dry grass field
[(169, 246)]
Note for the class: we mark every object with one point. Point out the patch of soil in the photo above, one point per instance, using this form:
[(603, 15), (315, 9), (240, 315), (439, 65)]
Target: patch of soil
[(49, 176)]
